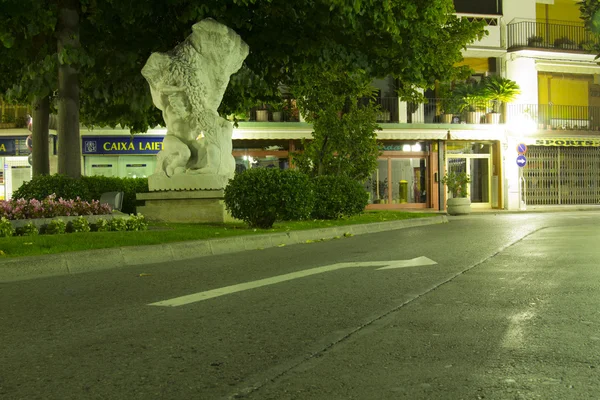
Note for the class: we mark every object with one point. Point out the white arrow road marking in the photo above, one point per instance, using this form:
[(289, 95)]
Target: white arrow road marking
[(209, 294)]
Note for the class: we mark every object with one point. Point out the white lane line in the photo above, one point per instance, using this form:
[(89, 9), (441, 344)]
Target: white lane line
[(209, 294)]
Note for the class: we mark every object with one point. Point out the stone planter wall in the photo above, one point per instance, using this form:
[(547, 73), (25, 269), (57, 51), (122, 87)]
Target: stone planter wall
[(41, 223)]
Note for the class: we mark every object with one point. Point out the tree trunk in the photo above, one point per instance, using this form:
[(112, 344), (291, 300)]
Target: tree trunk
[(41, 118), (69, 149)]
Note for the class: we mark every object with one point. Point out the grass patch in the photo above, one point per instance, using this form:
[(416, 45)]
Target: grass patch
[(18, 246)]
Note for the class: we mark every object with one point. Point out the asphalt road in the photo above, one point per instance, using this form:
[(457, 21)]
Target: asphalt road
[(509, 310)]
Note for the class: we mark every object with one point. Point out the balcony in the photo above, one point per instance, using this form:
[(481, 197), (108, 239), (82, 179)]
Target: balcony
[(556, 117), (394, 111), (560, 36)]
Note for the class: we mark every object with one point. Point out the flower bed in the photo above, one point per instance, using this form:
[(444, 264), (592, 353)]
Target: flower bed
[(20, 209)]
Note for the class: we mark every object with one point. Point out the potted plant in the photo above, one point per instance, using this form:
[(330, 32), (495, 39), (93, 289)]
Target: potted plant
[(278, 109), (499, 91), (472, 100), (564, 43), (535, 41), (457, 183), (262, 113), (449, 103)]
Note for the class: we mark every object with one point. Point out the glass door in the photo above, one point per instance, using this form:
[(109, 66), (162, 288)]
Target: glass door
[(477, 166)]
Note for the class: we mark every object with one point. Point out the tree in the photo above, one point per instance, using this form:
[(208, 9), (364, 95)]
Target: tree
[(413, 40), (344, 138), (28, 69), (590, 14)]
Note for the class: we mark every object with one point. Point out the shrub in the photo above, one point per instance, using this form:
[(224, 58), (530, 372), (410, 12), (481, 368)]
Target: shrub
[(101, 225), (260, 196), (29, 229), (6, 229), (56, 227), (338, 196), (80, 224), (118, 224), (43, 186), (136, 223), (129, 186)]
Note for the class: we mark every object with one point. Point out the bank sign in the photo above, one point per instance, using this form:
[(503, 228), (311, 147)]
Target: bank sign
[(121, 144), (8, 147)]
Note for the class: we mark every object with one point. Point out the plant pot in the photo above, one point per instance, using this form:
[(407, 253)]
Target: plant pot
[(262, 115), (492, 118), (447, 118), (473, 117), (458, 206), (277, 116)]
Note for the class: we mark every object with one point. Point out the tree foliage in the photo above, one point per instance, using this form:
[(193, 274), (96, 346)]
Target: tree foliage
[(590, 14), (415, 41)]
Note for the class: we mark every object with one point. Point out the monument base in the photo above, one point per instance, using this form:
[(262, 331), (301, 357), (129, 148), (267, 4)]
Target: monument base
[(184, 206), (192, 182)]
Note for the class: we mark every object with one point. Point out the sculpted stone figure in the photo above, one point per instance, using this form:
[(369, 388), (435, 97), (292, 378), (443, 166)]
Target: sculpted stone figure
[(187, 85)]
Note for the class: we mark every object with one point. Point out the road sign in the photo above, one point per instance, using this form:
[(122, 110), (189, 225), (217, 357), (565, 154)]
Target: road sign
[(383, 265), (521, 148), (521, 161)]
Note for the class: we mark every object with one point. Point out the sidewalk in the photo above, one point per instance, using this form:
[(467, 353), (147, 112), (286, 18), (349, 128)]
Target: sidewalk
[(22, 268)]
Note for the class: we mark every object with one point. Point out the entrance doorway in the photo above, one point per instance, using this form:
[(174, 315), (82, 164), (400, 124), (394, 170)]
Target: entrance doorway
[(478, 167)]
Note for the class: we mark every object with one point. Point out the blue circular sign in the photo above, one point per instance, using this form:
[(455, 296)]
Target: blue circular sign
[(521, 148), (521, 161)]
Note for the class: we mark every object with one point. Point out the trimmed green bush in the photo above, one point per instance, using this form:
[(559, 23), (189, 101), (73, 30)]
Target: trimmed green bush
[(56, 227), (129, 186), (338, 196), (80, 224), (118, 224), (101, 225), (260, 196), (137, 223), (6, 229), (29, 229), (42, 186)]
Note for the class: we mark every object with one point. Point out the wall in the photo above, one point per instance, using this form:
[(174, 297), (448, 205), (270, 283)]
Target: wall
[(561, 10), (522, 9), (565, 89)]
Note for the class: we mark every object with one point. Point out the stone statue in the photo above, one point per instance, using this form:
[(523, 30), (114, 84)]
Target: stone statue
[(187, 85)]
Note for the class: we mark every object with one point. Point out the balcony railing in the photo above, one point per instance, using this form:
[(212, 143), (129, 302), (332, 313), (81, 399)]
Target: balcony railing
[(556, 117), (392, 110), (556, 36)]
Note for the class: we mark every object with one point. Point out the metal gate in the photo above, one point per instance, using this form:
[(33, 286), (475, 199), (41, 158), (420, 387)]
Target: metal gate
[(562, 175)]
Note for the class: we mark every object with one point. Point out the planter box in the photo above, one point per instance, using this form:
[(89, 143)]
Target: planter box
[(492, 118), (262, 115), (447, 118), (474, 117), (277, 116), (458, 206), (41, 223)]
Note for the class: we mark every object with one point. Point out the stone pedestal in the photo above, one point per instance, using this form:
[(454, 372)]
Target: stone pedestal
[(184, 206)]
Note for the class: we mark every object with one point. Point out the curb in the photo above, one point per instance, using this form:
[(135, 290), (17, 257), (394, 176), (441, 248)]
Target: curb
[(24, 268)]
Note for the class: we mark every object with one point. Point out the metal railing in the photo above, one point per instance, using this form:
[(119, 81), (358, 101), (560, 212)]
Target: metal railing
[(570, 36), (556, 117)]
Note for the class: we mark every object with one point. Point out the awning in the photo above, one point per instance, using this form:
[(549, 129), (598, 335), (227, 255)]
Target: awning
[(266, 134), (412, 134), (477, 135)]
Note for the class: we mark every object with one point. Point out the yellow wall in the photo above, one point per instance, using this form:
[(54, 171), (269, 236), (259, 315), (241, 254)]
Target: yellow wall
[(561, 10), (565, 90)]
